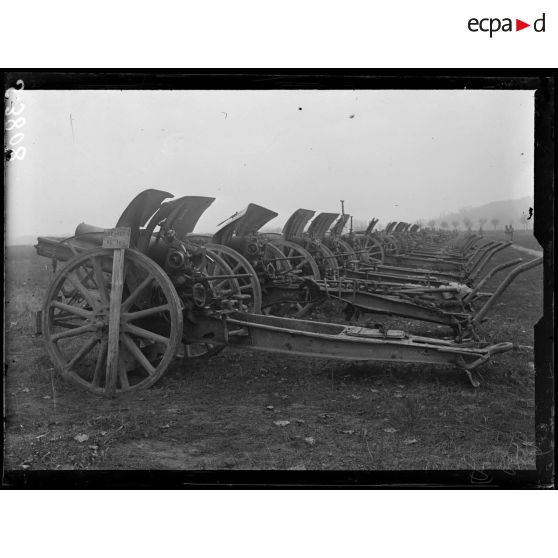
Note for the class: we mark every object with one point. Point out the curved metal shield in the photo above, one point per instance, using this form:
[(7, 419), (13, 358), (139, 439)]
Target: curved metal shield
[(319, 226), (245, 222), (142, 207), (295, 224), (185, 215), (371, 226), (339, 225)]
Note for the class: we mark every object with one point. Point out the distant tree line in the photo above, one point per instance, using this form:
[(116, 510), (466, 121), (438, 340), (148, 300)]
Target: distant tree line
[(469, 224)]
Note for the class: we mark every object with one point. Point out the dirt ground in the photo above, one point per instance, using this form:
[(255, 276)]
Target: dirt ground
[(248, 410)]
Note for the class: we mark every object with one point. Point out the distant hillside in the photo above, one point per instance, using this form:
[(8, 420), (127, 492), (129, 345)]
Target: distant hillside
[(506, 211)]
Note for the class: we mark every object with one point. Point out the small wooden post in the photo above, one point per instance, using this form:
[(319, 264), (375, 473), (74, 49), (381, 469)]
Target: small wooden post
[(119, 240), (114, 320), (38, 322)]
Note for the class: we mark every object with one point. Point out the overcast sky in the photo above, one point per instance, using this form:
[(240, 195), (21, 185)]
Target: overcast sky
[(395, 155)]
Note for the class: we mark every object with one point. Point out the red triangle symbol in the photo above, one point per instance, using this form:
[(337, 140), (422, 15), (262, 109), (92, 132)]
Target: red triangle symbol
[(519, 25)]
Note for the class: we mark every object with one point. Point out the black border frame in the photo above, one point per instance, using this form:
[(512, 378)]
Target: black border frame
[(541, 80)]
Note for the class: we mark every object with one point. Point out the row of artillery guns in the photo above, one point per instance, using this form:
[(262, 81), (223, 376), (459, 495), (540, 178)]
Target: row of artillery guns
[(114, 319)]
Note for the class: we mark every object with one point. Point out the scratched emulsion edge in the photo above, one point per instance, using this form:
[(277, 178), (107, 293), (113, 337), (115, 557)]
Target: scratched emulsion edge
[(544, 328)]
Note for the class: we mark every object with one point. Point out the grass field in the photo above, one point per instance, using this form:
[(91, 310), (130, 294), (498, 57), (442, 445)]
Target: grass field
[(520, 237), (221, 413)]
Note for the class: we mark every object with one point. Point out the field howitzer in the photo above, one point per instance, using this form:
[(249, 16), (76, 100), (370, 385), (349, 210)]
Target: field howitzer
[(448, 305), (433, 261), (354, 249), (372, 248), (463, 268), (311, 238), (281, 261), (332, 250), (399, 232), (386, 239), (441, 298), (347, 256), (468, 267), (291, 282), (434, 256), (403, 239), (367, 240), (358, 262), (279, 264), (128, 300), (429, 296)]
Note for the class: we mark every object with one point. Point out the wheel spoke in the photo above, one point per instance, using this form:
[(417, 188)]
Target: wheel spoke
[(72, 332), (71, 309), (130, 316), (220, 284), (74, 280), (88, 275), (299, 265), (82, 352), (83, 277), (100, 367), (67, 324), (144, 333), (137, 354), (137, 291)]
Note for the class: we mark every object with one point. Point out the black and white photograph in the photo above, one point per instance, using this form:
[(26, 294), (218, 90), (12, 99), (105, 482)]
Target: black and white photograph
[(298, 278)]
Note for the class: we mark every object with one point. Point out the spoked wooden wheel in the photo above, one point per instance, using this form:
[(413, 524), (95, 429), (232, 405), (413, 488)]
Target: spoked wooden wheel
[(93, 349), (374, 253), (289, 259), (325, 258), (391, 247), (239, 265), (213, 265), (248, 293), (343, 251), (403, 243), (248, 287)]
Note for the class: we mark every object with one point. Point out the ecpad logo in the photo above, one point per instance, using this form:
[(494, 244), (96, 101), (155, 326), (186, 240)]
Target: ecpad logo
[(494, 24)]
